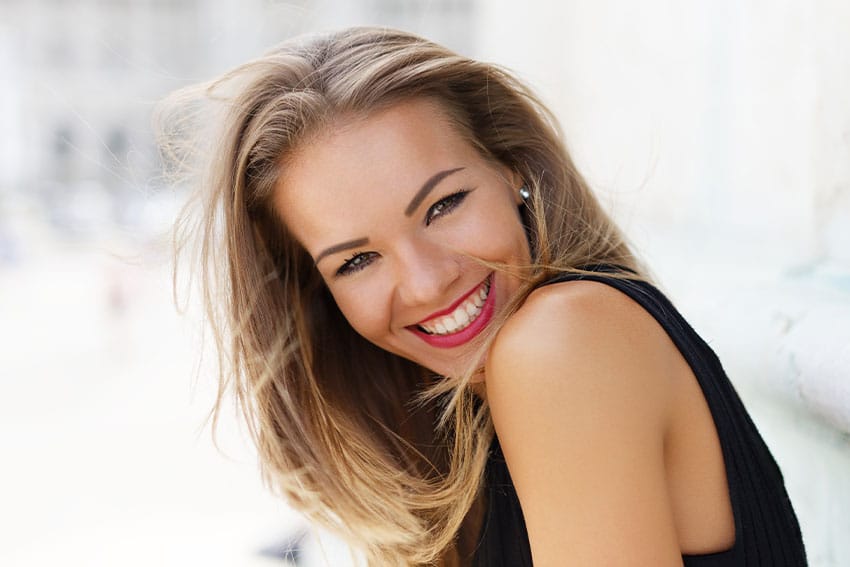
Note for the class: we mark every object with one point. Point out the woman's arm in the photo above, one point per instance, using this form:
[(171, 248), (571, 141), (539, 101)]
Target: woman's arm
[(578, 382)]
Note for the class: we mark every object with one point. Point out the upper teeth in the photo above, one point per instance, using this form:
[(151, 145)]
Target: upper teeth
[(462, 316)]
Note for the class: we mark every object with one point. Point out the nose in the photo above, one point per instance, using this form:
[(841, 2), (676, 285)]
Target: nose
[(425, 273)]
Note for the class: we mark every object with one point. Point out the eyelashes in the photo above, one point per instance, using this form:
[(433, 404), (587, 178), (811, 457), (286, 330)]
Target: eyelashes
[(355, 263), (445, 206)]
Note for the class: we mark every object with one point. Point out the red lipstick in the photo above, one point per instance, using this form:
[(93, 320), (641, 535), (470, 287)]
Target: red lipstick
[(451, 340)]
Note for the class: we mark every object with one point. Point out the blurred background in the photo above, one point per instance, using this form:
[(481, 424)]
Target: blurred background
[(717, 133)]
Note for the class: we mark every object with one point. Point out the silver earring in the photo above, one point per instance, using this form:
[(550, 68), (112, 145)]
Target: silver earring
[(524, 193)]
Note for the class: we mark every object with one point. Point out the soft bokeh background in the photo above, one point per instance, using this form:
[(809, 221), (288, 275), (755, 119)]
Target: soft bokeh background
[(718, 133)]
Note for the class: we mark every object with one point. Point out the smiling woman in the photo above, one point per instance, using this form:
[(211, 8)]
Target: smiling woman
[(409, 270), (444, 348)]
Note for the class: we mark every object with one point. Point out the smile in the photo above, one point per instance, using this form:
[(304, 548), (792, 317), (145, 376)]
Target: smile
[(460, 322), (463, 315)]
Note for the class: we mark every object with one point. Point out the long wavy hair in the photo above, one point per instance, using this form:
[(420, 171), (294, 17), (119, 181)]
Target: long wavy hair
[(360, 440)]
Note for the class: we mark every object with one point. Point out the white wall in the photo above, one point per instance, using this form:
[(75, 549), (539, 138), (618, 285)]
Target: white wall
[(725, 112), (11, 152)]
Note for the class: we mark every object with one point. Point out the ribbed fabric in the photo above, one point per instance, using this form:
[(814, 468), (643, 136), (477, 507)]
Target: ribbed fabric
[(766, 528)]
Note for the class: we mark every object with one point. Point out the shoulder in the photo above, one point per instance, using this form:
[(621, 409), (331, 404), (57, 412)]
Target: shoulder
[(582, 326), (579, 385)]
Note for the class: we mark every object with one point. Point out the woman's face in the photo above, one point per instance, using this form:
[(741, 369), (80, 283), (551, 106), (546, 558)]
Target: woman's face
[(392, 208)]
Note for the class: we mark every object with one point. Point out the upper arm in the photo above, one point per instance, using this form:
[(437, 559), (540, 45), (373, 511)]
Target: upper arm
[(578, 385)]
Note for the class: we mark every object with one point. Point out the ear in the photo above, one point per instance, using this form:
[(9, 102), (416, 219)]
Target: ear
[(514, 180)]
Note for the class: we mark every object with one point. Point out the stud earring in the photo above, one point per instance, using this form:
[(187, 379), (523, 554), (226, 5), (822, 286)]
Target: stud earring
[(524, 193)]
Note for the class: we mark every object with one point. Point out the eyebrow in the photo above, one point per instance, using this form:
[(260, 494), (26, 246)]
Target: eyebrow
[(427, 188), (340, 247), (423, 192)]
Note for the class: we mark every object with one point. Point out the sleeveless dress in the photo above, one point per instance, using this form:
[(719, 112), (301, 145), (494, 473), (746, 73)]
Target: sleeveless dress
[(766, 529)]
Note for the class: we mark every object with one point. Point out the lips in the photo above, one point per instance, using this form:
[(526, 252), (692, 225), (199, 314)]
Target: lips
[(462, 321), (462, 316)]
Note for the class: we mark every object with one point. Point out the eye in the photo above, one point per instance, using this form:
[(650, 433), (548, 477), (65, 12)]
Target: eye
[(445, 205), (356, 262)]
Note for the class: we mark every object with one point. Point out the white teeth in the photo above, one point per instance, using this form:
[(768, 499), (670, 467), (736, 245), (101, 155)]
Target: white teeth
[(451, 324), (461, 317)]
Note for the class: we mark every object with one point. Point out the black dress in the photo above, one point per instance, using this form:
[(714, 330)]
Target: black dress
[(766, 529)]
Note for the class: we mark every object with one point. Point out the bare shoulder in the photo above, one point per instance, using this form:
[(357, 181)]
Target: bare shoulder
[(584, 324), (579, 385)]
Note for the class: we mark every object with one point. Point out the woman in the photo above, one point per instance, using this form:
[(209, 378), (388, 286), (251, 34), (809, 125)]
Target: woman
[(445, 349)]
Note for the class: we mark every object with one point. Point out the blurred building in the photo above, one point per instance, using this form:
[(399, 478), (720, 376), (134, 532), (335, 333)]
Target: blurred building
[(84, 75)]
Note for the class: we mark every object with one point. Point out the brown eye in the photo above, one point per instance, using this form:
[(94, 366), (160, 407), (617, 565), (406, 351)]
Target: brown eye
[(445, 206)]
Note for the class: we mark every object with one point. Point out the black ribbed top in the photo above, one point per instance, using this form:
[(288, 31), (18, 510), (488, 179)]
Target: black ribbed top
[(766, 528)]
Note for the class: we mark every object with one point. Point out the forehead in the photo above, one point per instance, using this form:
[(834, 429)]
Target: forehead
[(359, 169)]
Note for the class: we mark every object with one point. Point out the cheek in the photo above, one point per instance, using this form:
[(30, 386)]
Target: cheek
[(364, 315), (498, 235)]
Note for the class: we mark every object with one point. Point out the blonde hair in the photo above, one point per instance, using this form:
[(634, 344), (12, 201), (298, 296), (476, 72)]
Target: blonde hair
[(344, 430)]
